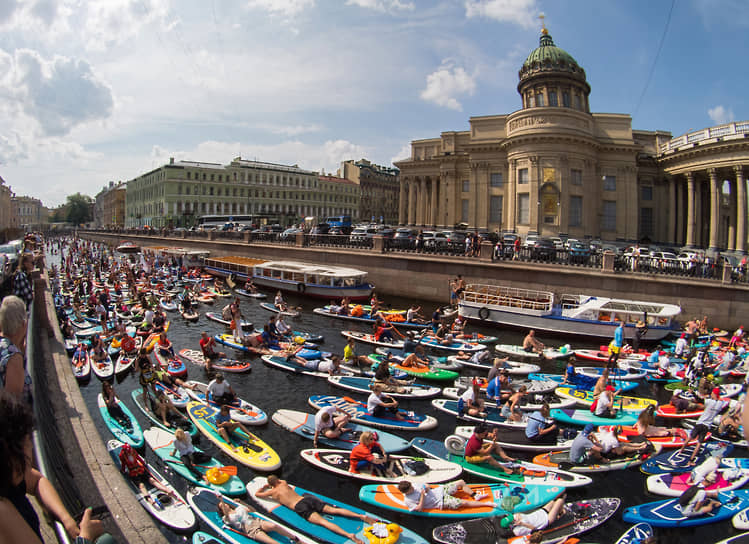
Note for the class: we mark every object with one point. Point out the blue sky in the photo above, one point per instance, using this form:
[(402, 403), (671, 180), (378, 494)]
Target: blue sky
[(93, 91)]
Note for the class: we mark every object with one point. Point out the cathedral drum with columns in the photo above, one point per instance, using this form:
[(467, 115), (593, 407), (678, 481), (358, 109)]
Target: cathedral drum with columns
[(553, 167)]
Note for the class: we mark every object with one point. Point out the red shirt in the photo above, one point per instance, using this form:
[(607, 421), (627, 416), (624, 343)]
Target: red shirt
[(473, 445), (206, 345), (360, 452)]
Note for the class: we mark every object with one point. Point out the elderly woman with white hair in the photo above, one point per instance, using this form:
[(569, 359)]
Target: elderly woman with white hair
[(13, 325)]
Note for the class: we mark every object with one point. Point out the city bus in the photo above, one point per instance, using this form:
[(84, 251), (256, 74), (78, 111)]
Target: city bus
[(342, 222)]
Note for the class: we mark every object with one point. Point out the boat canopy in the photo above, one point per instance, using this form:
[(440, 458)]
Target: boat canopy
[(310, 273)]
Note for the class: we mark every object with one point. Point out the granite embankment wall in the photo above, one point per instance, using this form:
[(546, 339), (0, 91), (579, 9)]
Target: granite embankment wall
[(72, 450), (427, 276)]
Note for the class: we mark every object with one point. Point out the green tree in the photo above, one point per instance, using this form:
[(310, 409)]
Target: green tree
[(78, 209)]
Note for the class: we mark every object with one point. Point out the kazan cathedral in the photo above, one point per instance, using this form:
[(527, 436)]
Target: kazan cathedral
[(553, 168)]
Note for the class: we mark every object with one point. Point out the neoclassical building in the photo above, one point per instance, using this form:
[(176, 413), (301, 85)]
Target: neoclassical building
[(553, 167)]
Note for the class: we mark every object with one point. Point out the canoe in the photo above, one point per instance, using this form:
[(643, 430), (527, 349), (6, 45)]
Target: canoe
[(129, 431), (673, 484), (515, 439), (104, 369), (493, 416), (240, 410), (586, 398), (303, 424), (337, 462), (213, 316), (636, 534), (668, 513), (561, 459), (205, 503), (583, 417), (499, 499), (514, 368), (174, 513), (247, 449), (81, 364), (368, 320), (272, 308), (677, 461), (247, 294), (367, 338), (358, 411), (296, 368), (579, 517), (514, 350), (318, 533), (184, 423), (162, 444), (530, 474), (224, 364), (425, 373), (362, 384)]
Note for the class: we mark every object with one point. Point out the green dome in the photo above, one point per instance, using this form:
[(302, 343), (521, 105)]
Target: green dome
[(547, 57)]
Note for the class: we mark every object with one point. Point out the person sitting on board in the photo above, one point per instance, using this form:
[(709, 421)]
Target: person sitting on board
[(413, 315), (187, 453), (254, 528), (329, 424), (113, 407), (382, 406), (220, 391), (511, 409), (368, 453), (208, 347), (645, 425), (225, 424), (134, 467), (585, 448), (713, 406), (695, 501), (279, 302), (249, 286), (383, 331), (601, 383), (409, 342), (421, 497), (707, 471), (172, 382), (268, 339), (540, 428), (730, 423), (681, 348), (159, 322), (164, 345), (161, 406), (384, 379), (470, 402), (498, 363), (498, 387), (412, 360), (351, 358), (99, 354), (146, 374), (610, 443), (436, 319), (531, 344), (282, 328), (309, 507), (478, 452), (527, 523), (604, 405)]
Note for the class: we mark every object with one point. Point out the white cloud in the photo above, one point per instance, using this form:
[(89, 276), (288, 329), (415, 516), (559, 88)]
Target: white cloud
[(520, 12), (383, 5), (7, 9), (290, 130), (720, 115), (284, 8), (447, 83), (403, 154)]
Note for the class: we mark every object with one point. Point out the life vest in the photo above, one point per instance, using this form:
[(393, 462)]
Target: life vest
[(132, 462)]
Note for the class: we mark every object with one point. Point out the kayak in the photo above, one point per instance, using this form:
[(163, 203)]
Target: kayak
[(514, 350), (514, 439), (241, 410), (358, 410), (104, 369), (673, 484), (493, 416), (586, 398), (247, 449), (396, 469), (677, 461), (162, 444), (174, 421), (668, 513), (205, 503), (514, 368), (174, 512), (424, 372), (636, 534), (583, 417), (178, 395), (356, 526), (128, 431), (303, 424), (501, 498), (562, 459), (578, 517), (81, 364), (223, 364), (272, 308), (291, 366), (367, 338), (527, 473), (362, 384)]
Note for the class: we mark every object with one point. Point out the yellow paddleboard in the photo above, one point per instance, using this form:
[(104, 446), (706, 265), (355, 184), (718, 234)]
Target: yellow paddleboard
[(586, 398)]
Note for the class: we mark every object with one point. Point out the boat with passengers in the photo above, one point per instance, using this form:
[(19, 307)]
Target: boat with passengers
[(314, 280), (583, 315)]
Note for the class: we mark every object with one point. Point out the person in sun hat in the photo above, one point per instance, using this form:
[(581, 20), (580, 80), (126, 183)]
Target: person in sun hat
[(713, 406)]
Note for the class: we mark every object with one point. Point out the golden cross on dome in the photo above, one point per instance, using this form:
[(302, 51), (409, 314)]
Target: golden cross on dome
[(543, 23)]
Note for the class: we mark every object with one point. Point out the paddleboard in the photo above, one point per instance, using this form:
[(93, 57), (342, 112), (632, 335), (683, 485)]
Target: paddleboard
[(636, 534), (562, 459), (514, 368), (583, 417), (675, 483), (291, 366), (247, 449), (223, 364), (358, 412), (81, 364), (518, 351), (303, 424), (493, 415), (677, 461), (129, 431), (272, 308), (104, 369), (174, 421), (581, 382), (424, 372), (676, 439), (361, 384), (668, 513), (248, 294), (586, 398), (199, 537), (367, 338), (615, 374), (515, 439), (240, 410)]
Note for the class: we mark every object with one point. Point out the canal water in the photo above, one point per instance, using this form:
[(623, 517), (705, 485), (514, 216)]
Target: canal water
[(272, 389)]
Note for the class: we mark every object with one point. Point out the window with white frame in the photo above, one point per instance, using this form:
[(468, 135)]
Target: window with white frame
[(524, 211)]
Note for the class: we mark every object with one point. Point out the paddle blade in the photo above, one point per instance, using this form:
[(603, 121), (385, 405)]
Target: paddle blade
[(231, 470)]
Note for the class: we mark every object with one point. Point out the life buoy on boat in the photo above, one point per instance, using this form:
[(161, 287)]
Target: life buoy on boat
[(484, 313), (300, 287)]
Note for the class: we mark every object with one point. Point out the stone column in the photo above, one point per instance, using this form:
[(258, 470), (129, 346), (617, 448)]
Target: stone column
[(434, 207), (422, 212), (690, 209), (673, 204), (714, 208), (731, 243), (679, 212), (534, 196), (402, 219), (510, 198), (740, 210)]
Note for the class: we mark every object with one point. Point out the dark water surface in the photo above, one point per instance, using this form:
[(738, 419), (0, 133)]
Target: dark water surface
[(272, 389)]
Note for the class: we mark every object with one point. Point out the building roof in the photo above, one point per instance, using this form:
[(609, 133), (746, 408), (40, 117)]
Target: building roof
[(270, 166), (336, 179), (547, 57)]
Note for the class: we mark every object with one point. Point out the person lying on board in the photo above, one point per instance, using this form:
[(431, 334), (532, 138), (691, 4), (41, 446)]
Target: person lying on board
[(532, 523), (441, 497), (309, 507), (240, 520)]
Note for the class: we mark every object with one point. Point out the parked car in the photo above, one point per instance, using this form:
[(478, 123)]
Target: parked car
[(558, 242), (579, 252), (404, 238), (485, 236), (543, 249), (530, 240), (320, 228), (434, 240), (360, 234), (290, 233), (455, 237)]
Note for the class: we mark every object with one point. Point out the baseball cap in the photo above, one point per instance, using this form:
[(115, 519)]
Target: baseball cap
[(610, 388), (716, 391), (589, 428)]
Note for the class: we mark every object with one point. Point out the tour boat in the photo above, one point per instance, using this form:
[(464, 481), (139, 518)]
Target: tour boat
[(128, 247), (314, 280), (582, 315)]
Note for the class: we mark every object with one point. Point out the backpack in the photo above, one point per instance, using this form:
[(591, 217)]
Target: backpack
[(688, 495), (416, 467)]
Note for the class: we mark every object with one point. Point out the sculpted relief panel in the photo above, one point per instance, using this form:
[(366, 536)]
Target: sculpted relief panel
[(548, 121)]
